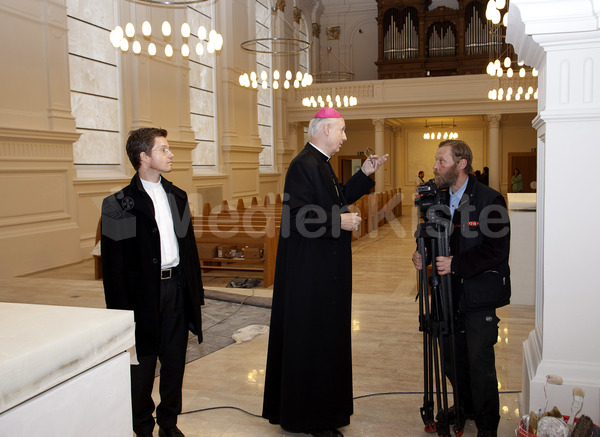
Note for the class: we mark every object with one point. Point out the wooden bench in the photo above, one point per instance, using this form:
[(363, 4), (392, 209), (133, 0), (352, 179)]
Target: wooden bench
[(257, 226), (377, 209), (253, 230)]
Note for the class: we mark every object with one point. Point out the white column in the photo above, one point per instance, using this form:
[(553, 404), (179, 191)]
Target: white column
[(379, 151), (494, 150), (397, 157), (561, 39)]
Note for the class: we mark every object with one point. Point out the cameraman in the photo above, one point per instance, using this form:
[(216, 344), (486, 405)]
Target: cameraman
[(478, 263)]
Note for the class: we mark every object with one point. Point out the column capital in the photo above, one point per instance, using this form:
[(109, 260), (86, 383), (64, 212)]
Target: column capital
[(379, 123), (494, 120), (292, 126)]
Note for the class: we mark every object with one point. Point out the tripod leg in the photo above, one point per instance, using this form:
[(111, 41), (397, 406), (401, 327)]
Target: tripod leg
[(442, 420), (436, 322), (425, 327), (459, 422)]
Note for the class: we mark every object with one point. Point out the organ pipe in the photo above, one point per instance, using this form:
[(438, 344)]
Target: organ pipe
[(401, 42)]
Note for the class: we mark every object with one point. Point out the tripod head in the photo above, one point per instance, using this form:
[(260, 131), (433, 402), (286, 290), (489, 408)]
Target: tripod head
[(429, 194), (432, 202)]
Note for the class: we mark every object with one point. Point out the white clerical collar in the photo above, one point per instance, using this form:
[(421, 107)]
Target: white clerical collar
[(328, 157)]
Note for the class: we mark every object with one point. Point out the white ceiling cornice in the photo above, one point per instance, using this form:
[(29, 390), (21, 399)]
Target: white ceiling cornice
[(416, 97), (534, 26)]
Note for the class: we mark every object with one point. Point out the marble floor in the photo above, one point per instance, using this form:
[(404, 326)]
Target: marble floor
[(223, 388)]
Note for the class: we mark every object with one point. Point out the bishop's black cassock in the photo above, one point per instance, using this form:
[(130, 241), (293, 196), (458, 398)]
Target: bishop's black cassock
[(309, 364)]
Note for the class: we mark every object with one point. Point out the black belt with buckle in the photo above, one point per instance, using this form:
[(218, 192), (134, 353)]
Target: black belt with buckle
[(168, 273)]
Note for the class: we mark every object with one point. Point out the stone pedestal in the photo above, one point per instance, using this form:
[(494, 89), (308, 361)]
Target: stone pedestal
[(65, 371)]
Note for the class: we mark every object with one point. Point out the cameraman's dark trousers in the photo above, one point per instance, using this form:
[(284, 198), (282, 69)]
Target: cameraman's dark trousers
[(476, 335)]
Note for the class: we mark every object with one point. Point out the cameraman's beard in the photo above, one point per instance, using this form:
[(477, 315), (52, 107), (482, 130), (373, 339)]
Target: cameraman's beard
[(447, 179)]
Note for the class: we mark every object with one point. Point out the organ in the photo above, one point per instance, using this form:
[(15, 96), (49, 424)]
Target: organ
[(416, 38)]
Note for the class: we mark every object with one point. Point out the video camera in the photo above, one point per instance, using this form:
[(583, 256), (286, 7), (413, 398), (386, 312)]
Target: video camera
[(428, 195)]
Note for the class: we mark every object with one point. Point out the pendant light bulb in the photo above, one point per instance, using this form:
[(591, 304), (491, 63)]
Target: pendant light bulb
[(116, 35), (146, 28), (129, 30), (185, 30), (136, 47), (166, 28)]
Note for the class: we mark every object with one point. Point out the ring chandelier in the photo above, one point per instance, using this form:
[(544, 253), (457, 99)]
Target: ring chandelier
[(338, 101), (517, 81), (127, 36), (440, 135), (123, 39), (276, 46), (289, 79), (513, 93), (169, 2), (333, 76)]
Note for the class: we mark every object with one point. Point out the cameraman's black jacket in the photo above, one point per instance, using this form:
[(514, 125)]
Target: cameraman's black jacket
[(479, 244)]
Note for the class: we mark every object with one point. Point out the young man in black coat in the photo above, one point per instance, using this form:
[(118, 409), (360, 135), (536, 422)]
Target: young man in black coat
[(478, 263), (150, 265)]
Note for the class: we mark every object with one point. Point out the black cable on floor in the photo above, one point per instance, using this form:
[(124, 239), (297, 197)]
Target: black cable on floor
[(229, 407), (226, 407), (232, 314), (375, 240)]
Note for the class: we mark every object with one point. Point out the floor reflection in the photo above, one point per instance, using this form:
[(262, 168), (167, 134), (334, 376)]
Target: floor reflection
[(387, 348)]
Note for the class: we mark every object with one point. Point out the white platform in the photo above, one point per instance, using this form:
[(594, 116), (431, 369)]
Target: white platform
[(64, 371), (522, 211)]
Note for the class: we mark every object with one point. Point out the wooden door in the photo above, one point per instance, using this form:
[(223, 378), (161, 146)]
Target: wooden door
[(527, 165)]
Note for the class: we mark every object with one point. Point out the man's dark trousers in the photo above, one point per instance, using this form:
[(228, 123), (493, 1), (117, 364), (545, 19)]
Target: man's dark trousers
[(173, 346), (476, 335)]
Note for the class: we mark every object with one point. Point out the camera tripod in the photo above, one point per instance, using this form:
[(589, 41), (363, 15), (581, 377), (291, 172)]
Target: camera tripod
[(436, 321)]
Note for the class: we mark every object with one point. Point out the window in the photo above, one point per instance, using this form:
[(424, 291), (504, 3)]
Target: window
[(265, 95), (203, 98), (94, 79)]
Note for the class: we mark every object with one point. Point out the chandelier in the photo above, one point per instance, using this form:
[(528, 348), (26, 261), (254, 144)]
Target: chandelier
[(338, 101), (440, 134), (329, 75), (517, 80), (289, 79), (280, 48), (140, 38)]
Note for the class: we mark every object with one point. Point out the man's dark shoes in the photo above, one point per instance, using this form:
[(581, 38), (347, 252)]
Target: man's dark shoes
[(326, 433), (170, 432), (144, 434), (465, 415)]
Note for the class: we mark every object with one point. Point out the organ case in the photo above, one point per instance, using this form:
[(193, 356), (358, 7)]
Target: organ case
[(416, 39)]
